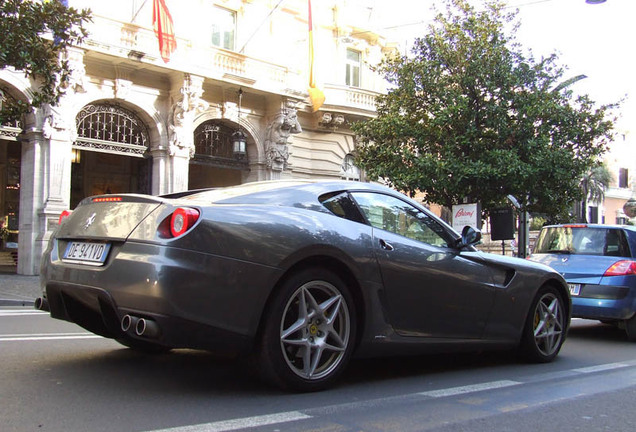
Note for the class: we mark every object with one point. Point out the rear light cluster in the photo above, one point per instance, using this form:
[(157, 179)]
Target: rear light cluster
[(182, 220), (64, 215), (621, 268)]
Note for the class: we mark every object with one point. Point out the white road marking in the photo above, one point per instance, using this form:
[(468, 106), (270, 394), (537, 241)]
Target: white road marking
[(20, 312), (47, 337), (241, 423), (470, 388), (601, 368)]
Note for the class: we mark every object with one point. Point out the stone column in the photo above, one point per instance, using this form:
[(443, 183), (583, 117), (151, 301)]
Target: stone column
[(33, 229), (48, 152), (181, 129)]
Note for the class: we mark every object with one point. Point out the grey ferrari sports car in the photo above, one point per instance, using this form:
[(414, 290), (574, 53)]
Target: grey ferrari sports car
[(296, 276)]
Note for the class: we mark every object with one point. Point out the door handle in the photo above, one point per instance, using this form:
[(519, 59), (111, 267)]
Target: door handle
[(386, 245)]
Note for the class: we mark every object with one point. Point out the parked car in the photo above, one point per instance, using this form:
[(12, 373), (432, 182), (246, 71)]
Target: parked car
[(598, 263), (296, 276)]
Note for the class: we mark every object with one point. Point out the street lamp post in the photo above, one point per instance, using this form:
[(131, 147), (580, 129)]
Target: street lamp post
[(239, 141)]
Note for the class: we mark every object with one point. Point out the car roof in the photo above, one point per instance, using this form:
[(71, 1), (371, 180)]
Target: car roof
[(282, 192), (588, 225)]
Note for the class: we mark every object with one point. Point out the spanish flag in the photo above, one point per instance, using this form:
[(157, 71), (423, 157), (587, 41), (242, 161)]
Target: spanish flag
[(162, 23), (315, 94)]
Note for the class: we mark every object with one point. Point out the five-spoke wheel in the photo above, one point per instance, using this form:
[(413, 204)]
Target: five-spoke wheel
[(308, 337), (546, 326), (315, 330)]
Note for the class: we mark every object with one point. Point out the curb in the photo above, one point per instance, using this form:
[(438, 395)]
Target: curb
[(6, 302)]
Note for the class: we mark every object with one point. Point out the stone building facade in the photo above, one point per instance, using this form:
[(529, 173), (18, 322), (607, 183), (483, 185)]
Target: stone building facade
[(130, 122)]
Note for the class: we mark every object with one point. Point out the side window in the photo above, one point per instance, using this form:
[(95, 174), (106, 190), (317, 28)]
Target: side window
[(616, 243), (392, 214), (341, 205)]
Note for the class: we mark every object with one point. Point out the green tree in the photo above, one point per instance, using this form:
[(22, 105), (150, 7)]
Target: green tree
[(593, 185), (35, 35), (470, 116)]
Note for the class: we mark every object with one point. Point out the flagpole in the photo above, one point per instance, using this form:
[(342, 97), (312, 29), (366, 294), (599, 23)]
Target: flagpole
[(138, 10), (259, 26)]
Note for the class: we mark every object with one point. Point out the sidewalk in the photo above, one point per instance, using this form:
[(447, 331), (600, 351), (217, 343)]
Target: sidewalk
[(18, 290)]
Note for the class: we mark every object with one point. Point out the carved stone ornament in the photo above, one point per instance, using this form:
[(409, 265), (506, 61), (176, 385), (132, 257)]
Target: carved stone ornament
[(54, 124), (77, 71), (278, 132), (122, 88), (183, 113)]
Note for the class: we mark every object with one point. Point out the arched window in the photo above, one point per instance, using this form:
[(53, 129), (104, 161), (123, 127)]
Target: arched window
[(111, 129), (10, 130), (213, 145)]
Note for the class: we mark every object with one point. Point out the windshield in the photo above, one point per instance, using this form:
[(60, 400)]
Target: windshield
[(583, 241)]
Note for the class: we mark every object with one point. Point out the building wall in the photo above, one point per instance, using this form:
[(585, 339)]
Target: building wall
[(621, 155), (258, 86)]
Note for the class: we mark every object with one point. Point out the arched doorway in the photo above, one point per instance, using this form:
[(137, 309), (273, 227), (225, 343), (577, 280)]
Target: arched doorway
[(110, 153), (10, 168), (214, 163)]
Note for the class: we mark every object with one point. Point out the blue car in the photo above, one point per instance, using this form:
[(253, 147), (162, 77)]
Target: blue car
[(599, 264)]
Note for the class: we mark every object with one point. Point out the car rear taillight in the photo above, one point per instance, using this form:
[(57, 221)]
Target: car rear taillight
[(64, 215), (621, 268), (182, 220)]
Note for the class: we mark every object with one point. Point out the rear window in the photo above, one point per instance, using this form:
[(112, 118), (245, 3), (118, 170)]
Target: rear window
[(229, 193), (583, 241)]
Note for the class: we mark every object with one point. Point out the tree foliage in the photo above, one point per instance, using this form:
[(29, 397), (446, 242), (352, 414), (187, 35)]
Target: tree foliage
[(35, 35), (470, 116), (593, 185)]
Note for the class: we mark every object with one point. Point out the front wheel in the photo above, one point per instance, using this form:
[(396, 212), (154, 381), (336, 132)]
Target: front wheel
[(309, 332), (545, 327)]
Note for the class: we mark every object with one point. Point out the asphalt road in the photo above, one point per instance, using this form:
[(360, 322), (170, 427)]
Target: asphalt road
[(56, 377)]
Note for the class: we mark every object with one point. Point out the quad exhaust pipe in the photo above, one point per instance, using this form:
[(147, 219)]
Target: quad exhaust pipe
[(140, 326)]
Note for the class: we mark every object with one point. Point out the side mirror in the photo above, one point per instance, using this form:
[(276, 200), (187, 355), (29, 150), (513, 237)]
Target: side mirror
[(470, 237)]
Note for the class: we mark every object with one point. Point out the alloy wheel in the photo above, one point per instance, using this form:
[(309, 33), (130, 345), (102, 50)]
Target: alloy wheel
[(548, 324), (315, 330)]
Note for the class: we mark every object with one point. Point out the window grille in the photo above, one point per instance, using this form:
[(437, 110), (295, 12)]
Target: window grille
[(9, 131), (213, 145), (111, 129)]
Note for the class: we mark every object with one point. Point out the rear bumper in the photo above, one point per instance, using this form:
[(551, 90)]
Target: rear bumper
[(96, 311), (197, 300), (604, 302)]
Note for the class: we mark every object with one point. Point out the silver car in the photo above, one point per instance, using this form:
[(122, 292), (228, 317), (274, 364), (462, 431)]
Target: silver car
[(297, 276)]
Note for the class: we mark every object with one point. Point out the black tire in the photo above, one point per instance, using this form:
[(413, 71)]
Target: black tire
[(630, 328), (612, 323), (143, 346), (546, 326), (308, 333)]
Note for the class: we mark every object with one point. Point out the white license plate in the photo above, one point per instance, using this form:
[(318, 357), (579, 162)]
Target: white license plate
[(92, 253), (575, 289)]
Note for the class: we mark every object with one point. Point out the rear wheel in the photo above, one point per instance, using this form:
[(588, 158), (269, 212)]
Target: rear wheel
[(630, 328), (309, 332), (545, 327)]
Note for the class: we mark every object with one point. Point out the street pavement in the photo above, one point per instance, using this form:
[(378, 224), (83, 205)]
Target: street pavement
[(18, 290)]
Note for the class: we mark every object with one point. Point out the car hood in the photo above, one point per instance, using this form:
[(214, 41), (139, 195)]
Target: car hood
[(577, 268)]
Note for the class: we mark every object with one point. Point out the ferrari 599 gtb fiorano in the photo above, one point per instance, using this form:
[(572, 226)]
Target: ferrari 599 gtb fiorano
[(297, 276)]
